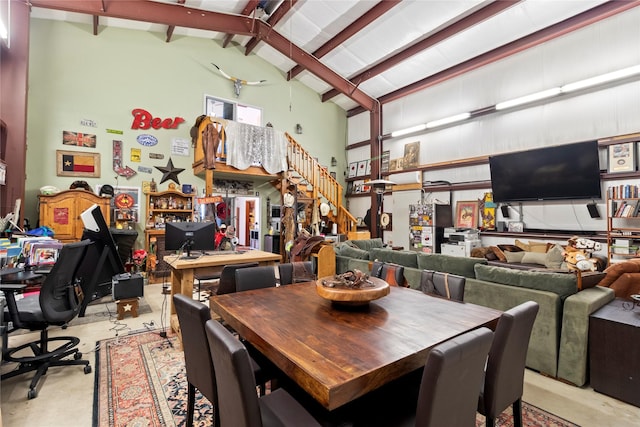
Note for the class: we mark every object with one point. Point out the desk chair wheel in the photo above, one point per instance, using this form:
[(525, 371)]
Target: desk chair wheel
[(87, 369), (32, 394), (77, 356)]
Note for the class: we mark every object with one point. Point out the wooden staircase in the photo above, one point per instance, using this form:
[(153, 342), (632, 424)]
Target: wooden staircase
[(314, 183)]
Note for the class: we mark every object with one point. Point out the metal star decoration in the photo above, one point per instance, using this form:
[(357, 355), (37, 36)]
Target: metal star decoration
[(169, 172)]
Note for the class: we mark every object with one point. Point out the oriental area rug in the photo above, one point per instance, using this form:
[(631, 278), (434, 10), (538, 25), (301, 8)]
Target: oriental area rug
[(141, 381)]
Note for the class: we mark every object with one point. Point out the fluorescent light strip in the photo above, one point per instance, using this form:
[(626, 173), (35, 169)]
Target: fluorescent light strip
[(4, 34), (549, 93), (408, 130), (604, 78), (448, 120), (529, 98)]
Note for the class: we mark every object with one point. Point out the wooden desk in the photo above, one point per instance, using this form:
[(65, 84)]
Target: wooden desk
[(338, 355), (182, 270)]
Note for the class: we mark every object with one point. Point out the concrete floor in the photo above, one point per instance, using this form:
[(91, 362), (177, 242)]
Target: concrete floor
[(65, 396)]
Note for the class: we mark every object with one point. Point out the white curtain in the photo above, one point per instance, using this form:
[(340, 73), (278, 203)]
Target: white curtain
[(249, 145)]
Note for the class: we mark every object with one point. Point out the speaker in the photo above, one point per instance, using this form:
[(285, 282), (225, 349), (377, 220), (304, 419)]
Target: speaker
[(127, 285), (505, 210), (593, 210)]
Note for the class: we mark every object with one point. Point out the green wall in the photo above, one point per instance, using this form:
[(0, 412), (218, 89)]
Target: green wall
[(74, 75)]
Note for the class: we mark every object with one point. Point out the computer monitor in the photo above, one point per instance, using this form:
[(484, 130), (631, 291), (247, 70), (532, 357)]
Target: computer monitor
[(189, 236), (101, 261)]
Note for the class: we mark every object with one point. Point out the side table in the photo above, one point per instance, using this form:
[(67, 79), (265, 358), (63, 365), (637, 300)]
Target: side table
[(614, 348)]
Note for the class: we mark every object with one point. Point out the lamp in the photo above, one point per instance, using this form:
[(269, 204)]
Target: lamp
[(448, 120), (379, 185)]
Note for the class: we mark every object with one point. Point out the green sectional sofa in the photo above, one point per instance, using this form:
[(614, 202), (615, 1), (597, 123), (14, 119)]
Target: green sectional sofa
[(559, 340)]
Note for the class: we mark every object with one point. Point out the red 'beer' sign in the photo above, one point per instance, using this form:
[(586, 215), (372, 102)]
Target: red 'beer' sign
[(142, 119)]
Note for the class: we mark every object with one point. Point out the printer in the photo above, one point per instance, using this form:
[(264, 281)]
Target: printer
[(460, 241), (456, 235)]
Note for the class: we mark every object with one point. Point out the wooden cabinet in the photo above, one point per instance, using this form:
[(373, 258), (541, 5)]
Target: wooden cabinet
[(614, 350), (163, 207), (61, 212), (623, 223)]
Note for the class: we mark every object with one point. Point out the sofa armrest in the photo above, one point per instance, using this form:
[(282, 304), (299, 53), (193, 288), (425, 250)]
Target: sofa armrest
[(574, 337)]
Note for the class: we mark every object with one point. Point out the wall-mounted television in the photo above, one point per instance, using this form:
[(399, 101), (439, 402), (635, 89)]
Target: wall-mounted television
[(570, 171)]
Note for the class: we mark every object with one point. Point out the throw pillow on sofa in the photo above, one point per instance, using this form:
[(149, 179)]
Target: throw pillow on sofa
[(534, 258), (514, 257), (554, 257)]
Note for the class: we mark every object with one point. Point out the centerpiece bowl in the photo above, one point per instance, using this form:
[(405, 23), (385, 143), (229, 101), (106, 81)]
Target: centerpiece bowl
[(353, 296)]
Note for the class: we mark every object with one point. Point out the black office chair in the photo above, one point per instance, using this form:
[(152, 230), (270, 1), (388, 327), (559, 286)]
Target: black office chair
[(255, 278), (293, 272), (228, 277), (56, 305), (239, 405), (192, 315), (449, 286), (504, 376)]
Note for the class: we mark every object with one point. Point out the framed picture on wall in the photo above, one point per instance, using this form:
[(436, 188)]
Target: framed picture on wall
[(77, 163), (353, 169), (622, 158), (467, 214), (362, 168)]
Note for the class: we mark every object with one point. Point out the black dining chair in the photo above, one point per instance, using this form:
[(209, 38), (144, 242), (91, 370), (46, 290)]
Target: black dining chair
[(504, 376), (227, 283), (192, 315), (260, 277), (292, 272), (393, 274), (444, 394), (449, 286), (238, 403)]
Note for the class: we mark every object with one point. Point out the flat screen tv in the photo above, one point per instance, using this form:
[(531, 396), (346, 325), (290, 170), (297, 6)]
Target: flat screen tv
[(189, 236), (570, 171)]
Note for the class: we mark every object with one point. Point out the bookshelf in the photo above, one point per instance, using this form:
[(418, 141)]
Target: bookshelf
[(623, 222)]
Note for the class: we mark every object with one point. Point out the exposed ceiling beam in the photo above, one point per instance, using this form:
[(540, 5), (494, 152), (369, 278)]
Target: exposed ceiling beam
[(569, 25), (311, 63), (183, 16), (371, 15), (275, 17), (248, 10), (172, 27), (155, 12), (461, 23), (574, 23)]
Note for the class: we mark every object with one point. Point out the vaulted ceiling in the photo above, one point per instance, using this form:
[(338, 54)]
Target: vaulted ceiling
[(352, 52)]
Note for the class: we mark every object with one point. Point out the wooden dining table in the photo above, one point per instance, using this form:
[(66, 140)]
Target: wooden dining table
[(339, 353)]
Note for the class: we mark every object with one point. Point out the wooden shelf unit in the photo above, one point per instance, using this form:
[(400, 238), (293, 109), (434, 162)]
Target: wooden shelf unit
[(163, 207), (623, 227)]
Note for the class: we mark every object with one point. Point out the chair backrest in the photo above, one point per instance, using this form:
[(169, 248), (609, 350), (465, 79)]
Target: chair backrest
[(441, 284), (291, 272), (227, 283), (504, 378), (260, 277), (59, 300), (451, 379), (393, 274), (192, 315), (238, 405)]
